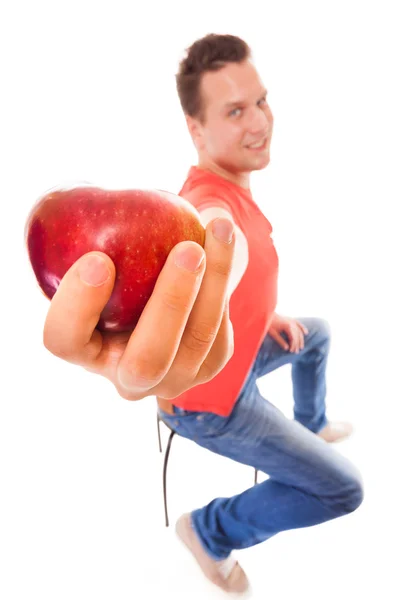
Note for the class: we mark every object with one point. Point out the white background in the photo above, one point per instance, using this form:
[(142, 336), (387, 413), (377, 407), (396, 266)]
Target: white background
[(88, 93)]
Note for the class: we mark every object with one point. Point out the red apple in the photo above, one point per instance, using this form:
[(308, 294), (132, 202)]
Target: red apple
[(136, 228)]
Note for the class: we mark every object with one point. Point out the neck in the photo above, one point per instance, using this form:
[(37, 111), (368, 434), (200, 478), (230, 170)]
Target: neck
[(240, 179)]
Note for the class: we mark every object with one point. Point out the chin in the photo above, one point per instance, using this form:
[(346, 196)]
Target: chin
[(259, 165)]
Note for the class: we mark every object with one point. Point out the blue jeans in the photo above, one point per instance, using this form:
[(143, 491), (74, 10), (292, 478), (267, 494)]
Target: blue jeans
[(309, 482)]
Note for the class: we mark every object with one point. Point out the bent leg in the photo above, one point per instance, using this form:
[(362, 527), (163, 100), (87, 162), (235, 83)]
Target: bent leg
[(309, 482), (308, 371)]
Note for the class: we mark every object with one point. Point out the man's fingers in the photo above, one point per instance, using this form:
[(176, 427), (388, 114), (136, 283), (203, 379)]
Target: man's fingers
[(298, 340), (221, 351), (301, 340), (69, 329), (292, 340), (302, 327), (295, 339), (279, 339), (204, 322), (155, 340)]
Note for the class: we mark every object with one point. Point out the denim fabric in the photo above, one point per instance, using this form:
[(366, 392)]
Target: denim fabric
[(309, 482)]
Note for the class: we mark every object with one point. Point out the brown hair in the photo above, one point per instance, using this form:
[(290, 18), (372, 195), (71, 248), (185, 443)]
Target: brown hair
[(209, 53)]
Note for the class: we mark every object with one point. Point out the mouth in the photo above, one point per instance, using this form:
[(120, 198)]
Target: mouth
[(258, 146)]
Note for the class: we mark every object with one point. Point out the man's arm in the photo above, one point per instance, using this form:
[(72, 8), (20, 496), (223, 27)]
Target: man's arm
[(241, 253)]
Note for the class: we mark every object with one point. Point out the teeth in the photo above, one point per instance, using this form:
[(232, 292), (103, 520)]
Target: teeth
[(257, 145)]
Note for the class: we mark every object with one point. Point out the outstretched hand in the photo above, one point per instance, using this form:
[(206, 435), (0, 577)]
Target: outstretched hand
[(184, 336)]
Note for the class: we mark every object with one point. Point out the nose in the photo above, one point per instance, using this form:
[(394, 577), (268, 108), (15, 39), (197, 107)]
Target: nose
[(259, 121)]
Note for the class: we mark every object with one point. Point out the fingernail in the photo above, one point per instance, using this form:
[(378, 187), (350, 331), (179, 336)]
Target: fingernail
[(93, 270), (223, 230), (189, 258)]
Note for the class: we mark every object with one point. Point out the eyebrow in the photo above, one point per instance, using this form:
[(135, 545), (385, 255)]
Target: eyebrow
[(237, 102)]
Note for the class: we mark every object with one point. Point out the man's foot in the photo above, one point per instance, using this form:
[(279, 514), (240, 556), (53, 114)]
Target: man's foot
[(336, 431), (226, 574)]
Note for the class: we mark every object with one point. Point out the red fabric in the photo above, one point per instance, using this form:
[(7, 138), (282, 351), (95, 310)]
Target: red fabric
[(254, 300)]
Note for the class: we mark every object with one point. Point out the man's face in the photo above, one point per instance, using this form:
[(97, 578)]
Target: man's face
[(236, 118)]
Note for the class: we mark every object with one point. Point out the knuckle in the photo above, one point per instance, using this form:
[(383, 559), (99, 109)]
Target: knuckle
[(123, 393), (199, 336), (211, 368), (177, 382), (217, 360), (221, 268), (54, 346), (171, 392), (209, 371), (176, 302), (146, 373), (141, 372)]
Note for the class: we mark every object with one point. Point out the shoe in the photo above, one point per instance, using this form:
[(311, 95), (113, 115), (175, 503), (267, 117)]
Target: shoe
[(335, 432), (226, 574)]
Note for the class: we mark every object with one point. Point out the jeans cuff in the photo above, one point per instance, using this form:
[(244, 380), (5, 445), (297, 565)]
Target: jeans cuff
[(196, 529)]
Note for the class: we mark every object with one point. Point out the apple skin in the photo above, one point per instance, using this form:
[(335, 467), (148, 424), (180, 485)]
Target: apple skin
[(136, 228)]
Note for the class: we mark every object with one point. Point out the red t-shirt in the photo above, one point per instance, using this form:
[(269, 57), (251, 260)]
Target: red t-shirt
[(253, 301)]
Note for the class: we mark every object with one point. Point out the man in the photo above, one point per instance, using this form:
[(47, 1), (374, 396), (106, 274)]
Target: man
[(204, 380), (230, 122)]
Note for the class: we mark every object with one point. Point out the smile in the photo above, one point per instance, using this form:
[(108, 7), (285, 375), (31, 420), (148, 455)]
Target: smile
[(258, 145)]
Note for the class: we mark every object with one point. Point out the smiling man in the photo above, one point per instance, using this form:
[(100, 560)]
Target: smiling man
[(230, 122)]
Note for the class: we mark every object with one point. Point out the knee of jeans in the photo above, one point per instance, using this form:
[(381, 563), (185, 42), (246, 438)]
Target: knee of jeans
[(322, 334), (350, 497), (324, 328)]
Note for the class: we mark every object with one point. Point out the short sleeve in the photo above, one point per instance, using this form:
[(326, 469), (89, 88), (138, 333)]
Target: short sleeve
[(207, 196)]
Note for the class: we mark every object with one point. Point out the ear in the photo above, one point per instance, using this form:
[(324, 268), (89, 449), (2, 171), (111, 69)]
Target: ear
[(195, 130)]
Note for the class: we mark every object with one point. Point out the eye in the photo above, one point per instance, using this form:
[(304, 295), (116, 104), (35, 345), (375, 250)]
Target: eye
[(262, 101), (234, 112)]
